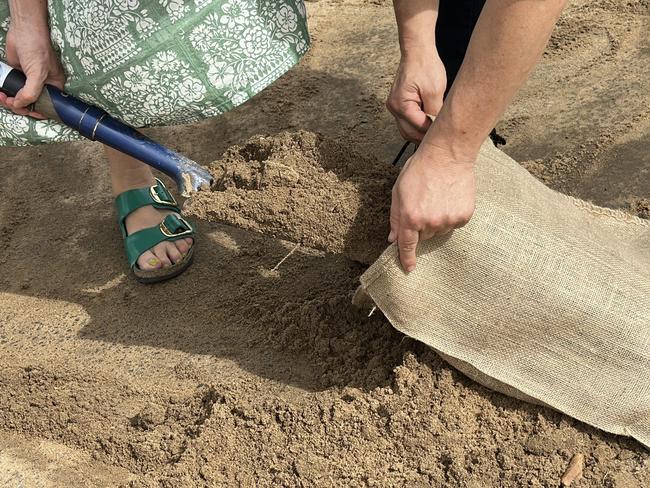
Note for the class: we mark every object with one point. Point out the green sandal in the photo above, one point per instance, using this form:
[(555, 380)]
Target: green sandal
[(171, 228)]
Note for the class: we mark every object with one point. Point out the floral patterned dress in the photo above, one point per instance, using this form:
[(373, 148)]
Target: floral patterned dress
[(163, 62)]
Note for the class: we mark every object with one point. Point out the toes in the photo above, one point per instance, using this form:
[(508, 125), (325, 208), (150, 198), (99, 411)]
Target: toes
[(189, 241), (182, 246), (148, 261), (173, 253), (162, 255), (160, 250)]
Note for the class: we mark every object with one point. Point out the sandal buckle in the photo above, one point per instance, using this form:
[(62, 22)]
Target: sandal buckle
[(184, 227), (167, 198)]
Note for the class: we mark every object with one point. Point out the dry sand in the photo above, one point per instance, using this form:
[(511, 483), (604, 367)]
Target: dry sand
[(242, 372)]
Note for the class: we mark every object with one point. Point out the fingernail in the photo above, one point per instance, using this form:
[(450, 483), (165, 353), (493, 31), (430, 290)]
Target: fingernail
[(391, 237), (410, 268)]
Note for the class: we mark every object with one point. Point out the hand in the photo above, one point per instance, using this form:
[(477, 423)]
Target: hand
[(418, 90), (29, 49), (433, 195)]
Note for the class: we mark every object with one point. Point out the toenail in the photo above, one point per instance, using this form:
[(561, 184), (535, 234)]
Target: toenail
[(153, 262)]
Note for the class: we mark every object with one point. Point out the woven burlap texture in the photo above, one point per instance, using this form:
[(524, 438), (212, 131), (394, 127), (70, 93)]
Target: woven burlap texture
[(541, 296)]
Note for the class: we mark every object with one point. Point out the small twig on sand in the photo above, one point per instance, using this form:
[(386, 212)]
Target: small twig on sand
[(295, 248), (372, 310), (574, 470)]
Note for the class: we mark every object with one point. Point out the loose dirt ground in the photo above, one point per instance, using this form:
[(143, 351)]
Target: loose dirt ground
[(242, 372)]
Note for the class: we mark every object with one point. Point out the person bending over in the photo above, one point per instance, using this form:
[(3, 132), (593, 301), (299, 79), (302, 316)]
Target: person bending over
[(474, 55)]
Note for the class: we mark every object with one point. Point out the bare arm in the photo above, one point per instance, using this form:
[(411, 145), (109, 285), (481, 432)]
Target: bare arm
[(435, 192), (416, 23), (28, 11), (420, 81), (508, 41)]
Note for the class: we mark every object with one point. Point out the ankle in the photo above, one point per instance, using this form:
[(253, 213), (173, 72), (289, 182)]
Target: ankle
[(127, 173), (123, 182)]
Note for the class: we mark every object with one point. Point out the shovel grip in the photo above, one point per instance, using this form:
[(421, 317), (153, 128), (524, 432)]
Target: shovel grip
[(11, 82)]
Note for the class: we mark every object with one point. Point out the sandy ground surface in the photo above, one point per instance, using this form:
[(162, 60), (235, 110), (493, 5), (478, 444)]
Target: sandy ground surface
[(243, 371)]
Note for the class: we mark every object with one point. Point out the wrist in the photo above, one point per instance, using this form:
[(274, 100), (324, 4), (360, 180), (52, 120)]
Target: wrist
[(31, 26), (29, 14), (417, 46), (454, 143), (422, 53), (461, 126), (416, 25)]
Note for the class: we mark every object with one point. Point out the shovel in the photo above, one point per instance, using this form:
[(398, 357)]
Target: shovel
[(97, 125)]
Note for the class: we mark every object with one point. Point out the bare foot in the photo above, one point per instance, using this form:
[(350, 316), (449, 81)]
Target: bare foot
[(163, 254)]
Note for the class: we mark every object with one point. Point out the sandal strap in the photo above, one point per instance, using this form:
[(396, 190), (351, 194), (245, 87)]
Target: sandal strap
[(156, 195), (171, 228)]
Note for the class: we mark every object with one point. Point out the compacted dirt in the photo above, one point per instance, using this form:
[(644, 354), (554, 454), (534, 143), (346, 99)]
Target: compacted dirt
[(252, 368)]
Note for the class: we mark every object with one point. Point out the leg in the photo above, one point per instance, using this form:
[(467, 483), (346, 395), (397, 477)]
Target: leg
[(128, 173), (456, 22)]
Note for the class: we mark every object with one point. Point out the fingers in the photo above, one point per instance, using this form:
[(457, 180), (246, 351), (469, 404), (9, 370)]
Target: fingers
[(29, 93), (407, 242), (412, 122), (431, 104), (408, 133), (414, 115), (8, 103), (3, 100), (425, 235)]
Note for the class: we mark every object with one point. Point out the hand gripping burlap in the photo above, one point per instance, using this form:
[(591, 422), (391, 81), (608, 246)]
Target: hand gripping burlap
[(541, 296)]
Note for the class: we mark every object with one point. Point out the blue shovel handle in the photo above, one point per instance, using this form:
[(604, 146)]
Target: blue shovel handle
[(97, 125)]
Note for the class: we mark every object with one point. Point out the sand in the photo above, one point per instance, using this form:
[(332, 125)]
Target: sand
[(252, 370), (305, 188)]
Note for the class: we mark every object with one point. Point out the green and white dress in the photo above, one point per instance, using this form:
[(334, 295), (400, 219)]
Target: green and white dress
[(163, 62)]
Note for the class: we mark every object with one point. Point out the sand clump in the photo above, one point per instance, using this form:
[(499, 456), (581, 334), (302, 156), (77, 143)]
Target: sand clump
[(317, 192), (641, 207), (304, 188)]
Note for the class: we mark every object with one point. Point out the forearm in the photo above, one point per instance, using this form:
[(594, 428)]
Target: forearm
[(416, 24), (507, 43), (29, 13)]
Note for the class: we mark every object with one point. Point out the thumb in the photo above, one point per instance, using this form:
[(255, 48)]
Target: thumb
[(431, 103), (414, 115), (407, 243), (29, 93), (56, 76)]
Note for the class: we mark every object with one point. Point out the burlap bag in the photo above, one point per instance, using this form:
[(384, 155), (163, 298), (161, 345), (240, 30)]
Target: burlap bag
[(541, 296)]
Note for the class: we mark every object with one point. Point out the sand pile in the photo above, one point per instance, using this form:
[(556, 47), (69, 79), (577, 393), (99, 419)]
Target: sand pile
[(304, 188), (284, 178)]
